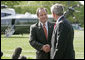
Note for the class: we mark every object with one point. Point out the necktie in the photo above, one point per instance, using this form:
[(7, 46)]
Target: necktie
[(54, 25), (45, 31)]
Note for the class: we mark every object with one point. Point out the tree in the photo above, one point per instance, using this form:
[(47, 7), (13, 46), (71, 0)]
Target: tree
[(10, 4), (31, 6)]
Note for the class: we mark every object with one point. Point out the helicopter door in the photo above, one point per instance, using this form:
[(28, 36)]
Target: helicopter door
[(10, 30)]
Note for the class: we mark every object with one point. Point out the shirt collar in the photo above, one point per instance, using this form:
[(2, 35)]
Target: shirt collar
[(59, 18), (42, 23)]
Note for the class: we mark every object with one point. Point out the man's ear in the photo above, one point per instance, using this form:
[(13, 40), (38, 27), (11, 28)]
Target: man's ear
[(54, 15)]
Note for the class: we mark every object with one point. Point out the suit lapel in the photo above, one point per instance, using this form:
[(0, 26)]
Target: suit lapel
[(49, 30), (55, 30), (41, 31)]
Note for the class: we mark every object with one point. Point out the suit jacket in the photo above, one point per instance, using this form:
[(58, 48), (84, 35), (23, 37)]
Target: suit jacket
[(62, 40), (38, 39)]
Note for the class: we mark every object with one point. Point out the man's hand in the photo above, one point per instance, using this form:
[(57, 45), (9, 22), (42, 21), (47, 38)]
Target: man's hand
[(46, 48)]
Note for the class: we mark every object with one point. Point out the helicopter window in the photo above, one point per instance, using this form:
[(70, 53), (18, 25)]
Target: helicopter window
[(5, 22), (13, 21), (5, 14)]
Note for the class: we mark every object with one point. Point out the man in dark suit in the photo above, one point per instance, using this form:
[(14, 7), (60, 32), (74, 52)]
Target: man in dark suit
[(63, 35), (40, 35)]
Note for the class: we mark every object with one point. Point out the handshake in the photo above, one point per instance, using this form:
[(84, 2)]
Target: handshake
[(46, 48)]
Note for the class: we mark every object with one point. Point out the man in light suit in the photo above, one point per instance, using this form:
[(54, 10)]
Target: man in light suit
[(40, 35), (63, 35)]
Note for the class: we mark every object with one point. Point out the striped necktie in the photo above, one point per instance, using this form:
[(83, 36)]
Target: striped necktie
[(54, 25), (45, 31)]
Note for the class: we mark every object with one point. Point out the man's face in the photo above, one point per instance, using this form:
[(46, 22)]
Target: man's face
[(42, 16)]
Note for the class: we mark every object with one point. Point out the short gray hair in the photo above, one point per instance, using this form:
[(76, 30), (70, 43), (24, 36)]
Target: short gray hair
[(58, 9)]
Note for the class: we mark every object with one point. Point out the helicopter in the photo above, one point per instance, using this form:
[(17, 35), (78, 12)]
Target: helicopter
[(12, 23), (20, 23)]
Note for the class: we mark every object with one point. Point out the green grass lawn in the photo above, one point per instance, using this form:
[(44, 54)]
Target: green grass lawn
[(79, 44), (8, 45)]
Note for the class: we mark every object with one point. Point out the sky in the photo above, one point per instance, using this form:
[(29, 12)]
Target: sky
[(82, 2)]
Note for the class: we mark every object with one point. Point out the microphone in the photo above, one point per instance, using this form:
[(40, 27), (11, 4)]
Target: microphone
[(22, 57), (1, 53), (17, 53)]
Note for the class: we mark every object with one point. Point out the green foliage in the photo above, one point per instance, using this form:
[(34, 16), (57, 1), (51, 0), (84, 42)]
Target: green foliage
[(31, 6), (10, 4)]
